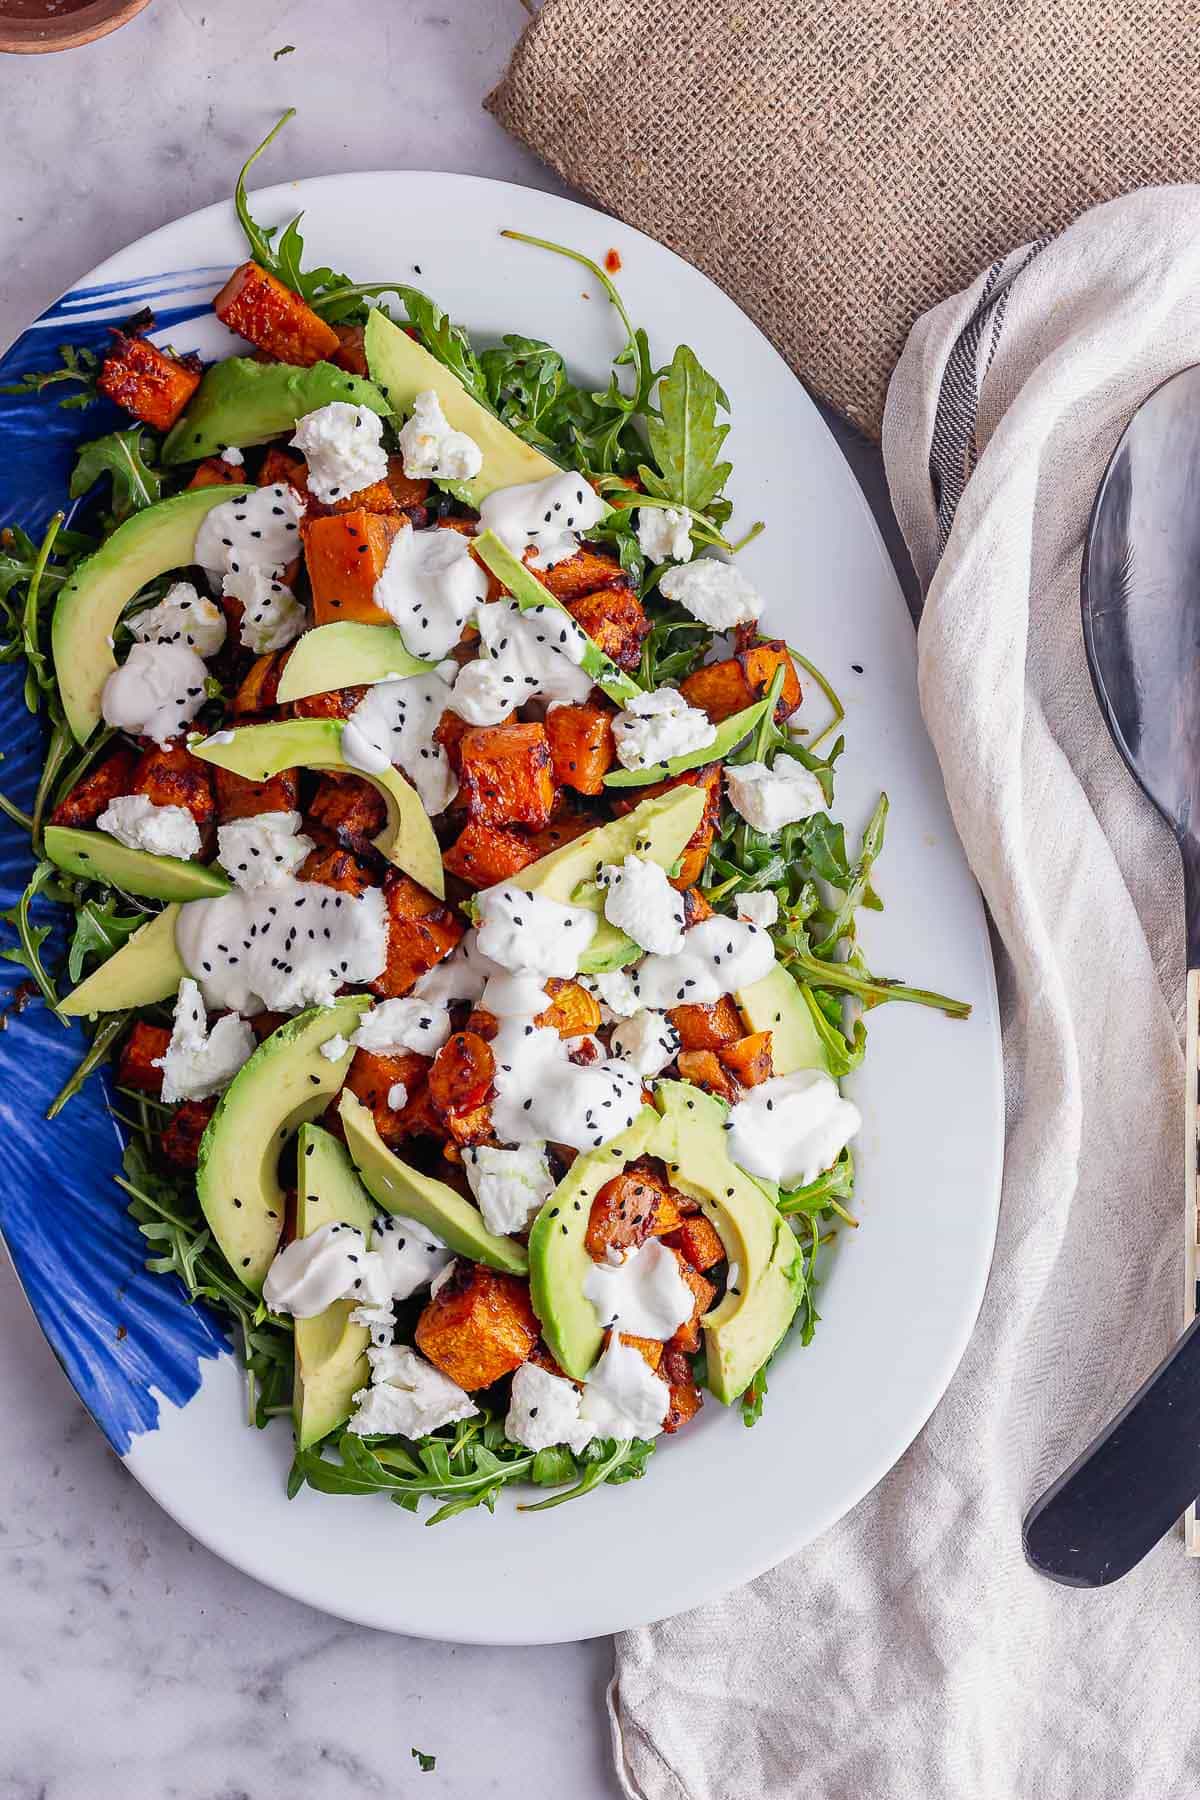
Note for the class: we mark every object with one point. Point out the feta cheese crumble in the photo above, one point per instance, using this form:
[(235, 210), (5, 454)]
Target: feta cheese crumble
[(523, 655), (664, 531), (182, 616), (342, 445), (791, 1128), (769, 798), (544, 1410), (641, 902), (657, 726), (718, 956), (233, 456), (714, 592), (623, 1397), (263, 850), (510, 1185), (397, 1097), (647, 1042), (395, 1026), (135, 821), (430, 586), (156, 693), (431, 448), (463, 975), (615, 990), (272, 617), (532, 934), (407, 1397), (334, 1048), (394, 723), (642, 1294), (199, 1062), (277, 949), (254, 531), (761, 909), (541, 1096), (546, 517)]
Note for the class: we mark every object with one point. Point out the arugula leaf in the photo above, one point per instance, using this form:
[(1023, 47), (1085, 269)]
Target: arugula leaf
[(685, 440), (77, 364), (98, 1051), (122, 456), (425, 1760), (26, 952), (100, 929), (444, 339)]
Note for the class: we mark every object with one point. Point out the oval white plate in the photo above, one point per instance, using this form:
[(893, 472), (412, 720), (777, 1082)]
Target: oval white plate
[(720, 1504)]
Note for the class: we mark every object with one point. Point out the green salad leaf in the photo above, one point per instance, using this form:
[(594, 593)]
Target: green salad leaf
[(77, 365), (686, 438), (122, 456)]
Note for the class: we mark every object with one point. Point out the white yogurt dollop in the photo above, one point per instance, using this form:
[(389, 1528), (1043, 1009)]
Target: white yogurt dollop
[(254, 531), (262, 850), (523, 655), (791, 1128), (331, 1263), (156, 693), (431, 586), (394, 723), (182, 616), (643, 1294), (541, 1096), (547, 517), (408, 1023), (278, 949), (623, 1397), (718, 956), (532, 934)]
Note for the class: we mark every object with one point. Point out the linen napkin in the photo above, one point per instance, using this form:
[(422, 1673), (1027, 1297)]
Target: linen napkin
[(911, 1652), (838, 168)]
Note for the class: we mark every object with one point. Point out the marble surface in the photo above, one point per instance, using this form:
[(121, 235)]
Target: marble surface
[(132, 1662)]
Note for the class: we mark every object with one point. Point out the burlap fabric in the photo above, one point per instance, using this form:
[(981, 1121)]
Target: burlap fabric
[(839, 167)]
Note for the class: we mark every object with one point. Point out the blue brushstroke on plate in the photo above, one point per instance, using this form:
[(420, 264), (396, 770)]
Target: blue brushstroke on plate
[(118, 1331)]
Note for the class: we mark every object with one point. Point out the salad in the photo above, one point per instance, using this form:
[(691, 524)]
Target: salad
[(452, 886)]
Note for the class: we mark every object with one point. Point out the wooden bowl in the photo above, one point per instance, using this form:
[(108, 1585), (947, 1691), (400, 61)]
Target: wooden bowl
[(31, 26)]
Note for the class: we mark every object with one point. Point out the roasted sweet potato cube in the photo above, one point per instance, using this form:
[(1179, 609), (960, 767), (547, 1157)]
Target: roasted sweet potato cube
[(180, 1142), (485, 854), (345, 554), (258, 306), (572, 1011), (145, 1044), (695, 907), (407, 492), (349, 807), (214, 471), (421, 931), (479, 1327), (238, 798), (472, 1127), (542, 1357), (707, 1027), (703, 1294), (589, 570), (174, 777), (649, 1349), (375, 498), (281, 467), (719, 689), (703, 1068), (633, 1206), (336, 867), (258, 689), (152, 385), (684, 1403), (506, 776), (615, 619), (372, 1078), (581, 746), (699, 1242), (89, 797), (749, 1058), (337, 703), (462, 1073), (759, 662), (350, 353)]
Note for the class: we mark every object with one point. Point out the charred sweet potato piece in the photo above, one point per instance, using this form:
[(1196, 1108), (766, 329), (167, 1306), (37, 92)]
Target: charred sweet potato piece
[(345, 554), (699, 1242), (421, 931), (214, 471), (264, 1023), (471, 1127), (685, 1397), (462, 1073), (759, 662), (450, 731), (284, 467), (408, 492), (257, 305), (338, 703), (506, 776), (572, 1011), (703, 1293), (589, 570), (484, 854), (372, 1079), (180, 1142), (174, 777), (258, 689), (350, 353), (615, 619), (478, 1327), (695, 907), (633, 1206), (581, 746), (336, 867), (649, 1349), (719, 689), (703, 1068), (561, 829), (707, 1027), (348, 807), (89, 797), (238, 798), (135, 1066), (695, 851), (152, 385), (749, 1058)]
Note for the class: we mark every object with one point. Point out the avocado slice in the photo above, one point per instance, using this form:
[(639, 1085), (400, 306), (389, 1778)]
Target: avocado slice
[(99, 857), (403, 369), (786, 1009), (558, 1258), (152, 542), (244, 402), (346, 655), (331, 1361), (146, 969), (729, 735), (404, 1190), (286, 1082), (743, 1331), (528, 591), (260, 751)]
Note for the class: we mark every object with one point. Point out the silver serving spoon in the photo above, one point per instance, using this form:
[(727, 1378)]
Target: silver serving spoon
[(1141, 628)]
